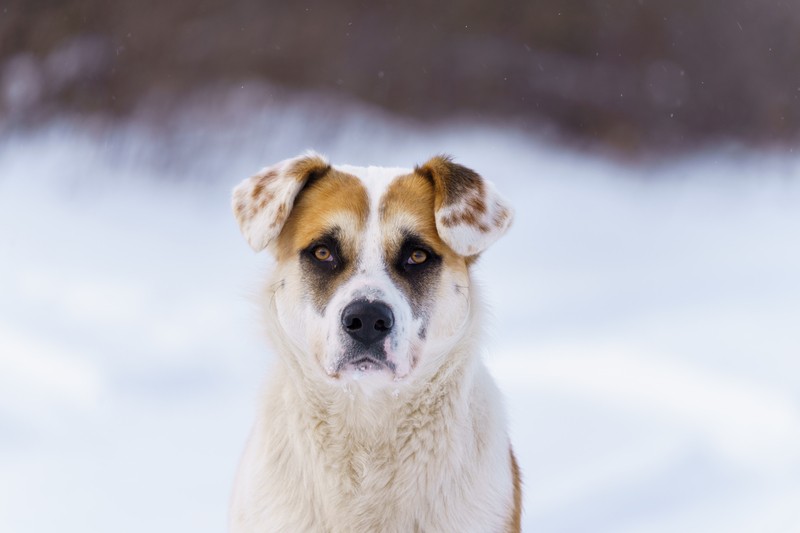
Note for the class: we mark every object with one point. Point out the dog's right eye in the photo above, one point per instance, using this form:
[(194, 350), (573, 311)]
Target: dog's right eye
[(417, 257), (322, 253)]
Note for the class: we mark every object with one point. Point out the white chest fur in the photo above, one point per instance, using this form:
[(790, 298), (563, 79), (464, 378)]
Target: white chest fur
[(434, 462)]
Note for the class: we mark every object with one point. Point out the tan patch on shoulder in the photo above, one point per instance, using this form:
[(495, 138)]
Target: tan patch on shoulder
[(515, 521), (336, 201)]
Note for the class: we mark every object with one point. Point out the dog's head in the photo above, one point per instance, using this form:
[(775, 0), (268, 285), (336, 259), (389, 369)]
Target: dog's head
[(372, 263)]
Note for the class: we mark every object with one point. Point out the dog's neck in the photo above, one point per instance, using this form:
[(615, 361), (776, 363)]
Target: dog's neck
[(347, 410), (439, 387)]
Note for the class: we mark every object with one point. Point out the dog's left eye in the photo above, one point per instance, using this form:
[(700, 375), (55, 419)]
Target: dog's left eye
[(322, 253), (417, 257)]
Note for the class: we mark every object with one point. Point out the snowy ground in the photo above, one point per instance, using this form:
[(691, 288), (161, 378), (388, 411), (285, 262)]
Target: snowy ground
[(646, 322)]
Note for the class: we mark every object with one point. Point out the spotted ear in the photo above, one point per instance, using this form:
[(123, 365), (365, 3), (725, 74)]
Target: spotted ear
[(470, 214), (262, 203)]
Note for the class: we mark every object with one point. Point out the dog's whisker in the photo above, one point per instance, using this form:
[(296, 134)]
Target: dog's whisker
[(278, 285), (463, 290), (274, 288)]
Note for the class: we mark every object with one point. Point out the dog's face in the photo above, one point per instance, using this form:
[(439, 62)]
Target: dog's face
[(372, 266)]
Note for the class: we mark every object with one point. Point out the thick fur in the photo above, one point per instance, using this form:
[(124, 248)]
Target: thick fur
[(420, 448)]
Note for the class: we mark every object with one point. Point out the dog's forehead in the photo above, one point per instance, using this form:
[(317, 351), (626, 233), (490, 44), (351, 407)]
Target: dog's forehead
[(401, 203), (376, 180)]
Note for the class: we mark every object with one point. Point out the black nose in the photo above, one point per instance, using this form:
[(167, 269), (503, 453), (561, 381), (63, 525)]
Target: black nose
[(367, 322)]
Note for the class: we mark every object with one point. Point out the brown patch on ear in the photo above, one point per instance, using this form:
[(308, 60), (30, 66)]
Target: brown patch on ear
[(501, 218), (261, 183), (262, 203), (469, 214), (456, 184), (451, 180), (281, 214), (515, 521), (309, 168), (259, 186)]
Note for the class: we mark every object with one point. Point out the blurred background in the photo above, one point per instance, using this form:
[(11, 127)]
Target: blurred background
[(633, 75), (646, 303)]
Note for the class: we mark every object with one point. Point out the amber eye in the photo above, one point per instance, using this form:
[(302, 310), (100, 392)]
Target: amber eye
[(417, 257), (321, 253)]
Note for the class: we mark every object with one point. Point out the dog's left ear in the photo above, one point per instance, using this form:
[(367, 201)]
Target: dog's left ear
[(262, 203), (470, 214)]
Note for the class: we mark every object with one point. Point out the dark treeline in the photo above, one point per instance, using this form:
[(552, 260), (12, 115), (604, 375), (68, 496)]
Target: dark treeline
[(634, 74)]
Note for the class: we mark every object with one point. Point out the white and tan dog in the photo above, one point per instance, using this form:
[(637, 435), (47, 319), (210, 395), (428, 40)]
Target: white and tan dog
[(380, 415)]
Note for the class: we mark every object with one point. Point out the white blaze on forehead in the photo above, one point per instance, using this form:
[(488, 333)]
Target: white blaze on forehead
[(376, 181), (371, 280)]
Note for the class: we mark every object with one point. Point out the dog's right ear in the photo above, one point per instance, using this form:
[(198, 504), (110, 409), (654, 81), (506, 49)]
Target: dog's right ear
[(262, 203)]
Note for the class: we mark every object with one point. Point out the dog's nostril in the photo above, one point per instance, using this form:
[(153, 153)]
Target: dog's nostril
[(354, 324), (380, 325)]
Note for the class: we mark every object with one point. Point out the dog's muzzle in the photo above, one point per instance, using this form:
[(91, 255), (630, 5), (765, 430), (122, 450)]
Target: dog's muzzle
[(368, 324)]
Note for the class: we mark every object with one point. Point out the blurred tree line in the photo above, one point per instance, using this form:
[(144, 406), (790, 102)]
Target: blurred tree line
[(632, 74)]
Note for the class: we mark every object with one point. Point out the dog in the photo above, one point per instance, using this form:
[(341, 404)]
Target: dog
[(379, 415)]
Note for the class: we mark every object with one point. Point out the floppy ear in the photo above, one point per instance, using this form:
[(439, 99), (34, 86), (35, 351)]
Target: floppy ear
[(470, 214), (262, 203)]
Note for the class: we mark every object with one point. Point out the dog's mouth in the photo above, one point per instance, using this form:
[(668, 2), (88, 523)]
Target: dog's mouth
[(362, 364)]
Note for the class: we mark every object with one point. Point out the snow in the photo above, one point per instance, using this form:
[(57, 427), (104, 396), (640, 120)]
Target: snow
[(644, 320)]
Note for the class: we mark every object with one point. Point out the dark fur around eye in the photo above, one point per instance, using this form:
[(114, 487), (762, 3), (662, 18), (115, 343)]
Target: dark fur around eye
[(417, 281), (332, 244), (410, 244), (322, 277)]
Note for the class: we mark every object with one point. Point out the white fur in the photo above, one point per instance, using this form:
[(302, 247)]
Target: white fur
[(423, 450)]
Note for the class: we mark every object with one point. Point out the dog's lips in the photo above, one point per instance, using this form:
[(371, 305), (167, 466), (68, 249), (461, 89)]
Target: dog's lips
[(365, 363)]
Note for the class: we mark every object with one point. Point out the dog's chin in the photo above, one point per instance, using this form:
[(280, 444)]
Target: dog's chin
[(361, 366), (365, 365)]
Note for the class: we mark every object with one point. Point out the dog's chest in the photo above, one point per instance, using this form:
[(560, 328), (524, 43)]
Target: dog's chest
[(395, 485), (436, 468), (408, 474)]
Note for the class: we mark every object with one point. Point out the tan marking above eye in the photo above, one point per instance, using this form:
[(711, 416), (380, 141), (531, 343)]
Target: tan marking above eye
[(417, 257), (321, 253), (335, 200)]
